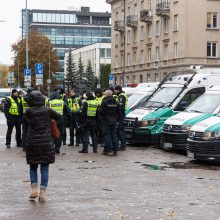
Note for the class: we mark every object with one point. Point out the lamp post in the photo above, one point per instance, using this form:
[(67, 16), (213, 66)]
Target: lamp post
[(49, 80), (26, 29)]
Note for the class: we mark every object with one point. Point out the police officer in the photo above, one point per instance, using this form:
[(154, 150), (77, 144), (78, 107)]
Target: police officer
[(73, 103), (122, 101), (110, 115), (25, 106), (58, 105), (99, 98), (12, 110), (88, 123)]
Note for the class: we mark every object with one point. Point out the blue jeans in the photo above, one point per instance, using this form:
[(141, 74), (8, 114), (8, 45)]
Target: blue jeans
[(44, 169)]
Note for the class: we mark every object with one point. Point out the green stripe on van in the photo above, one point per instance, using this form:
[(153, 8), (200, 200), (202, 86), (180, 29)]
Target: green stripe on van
[(197, 119)]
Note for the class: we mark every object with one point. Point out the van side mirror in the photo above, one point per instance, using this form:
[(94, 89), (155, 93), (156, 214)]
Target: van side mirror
[(182, 106)]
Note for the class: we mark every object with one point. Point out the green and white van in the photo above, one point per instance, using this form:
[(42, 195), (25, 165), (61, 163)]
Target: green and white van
[(174, 94), (176, 128), (204, 140)]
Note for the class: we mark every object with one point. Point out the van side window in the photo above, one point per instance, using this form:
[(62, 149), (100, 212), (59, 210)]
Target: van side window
[(189, 98)]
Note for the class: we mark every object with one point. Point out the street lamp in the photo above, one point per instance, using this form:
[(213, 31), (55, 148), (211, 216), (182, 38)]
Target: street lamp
[(26, 28)]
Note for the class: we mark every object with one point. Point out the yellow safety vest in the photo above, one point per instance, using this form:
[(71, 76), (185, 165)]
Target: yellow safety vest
[(24, 105), (99, 100), (74, 106), (126, 97), (92, 108), (14, 110), (57, 105)]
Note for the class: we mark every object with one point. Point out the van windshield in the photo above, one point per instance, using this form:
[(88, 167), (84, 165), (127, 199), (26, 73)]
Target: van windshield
[(205, 104), (133, 98), (162, 97)]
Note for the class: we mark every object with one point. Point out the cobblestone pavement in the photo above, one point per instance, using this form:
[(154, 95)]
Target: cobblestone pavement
[(141, 183)]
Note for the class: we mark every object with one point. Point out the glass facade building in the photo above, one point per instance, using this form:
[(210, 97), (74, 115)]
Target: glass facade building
[(69, 29)]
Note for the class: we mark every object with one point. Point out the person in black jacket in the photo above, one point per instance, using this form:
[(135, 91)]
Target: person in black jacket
[(110, 115), (39, 145), (13, 112)]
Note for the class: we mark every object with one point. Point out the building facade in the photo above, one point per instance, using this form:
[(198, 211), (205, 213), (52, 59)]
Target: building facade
[(98, 54), (69, 29), (151, 38)]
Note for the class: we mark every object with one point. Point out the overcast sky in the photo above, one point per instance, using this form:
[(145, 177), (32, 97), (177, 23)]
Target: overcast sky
[(10, 11)]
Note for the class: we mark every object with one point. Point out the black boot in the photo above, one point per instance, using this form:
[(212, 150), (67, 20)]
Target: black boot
[(83, 151)]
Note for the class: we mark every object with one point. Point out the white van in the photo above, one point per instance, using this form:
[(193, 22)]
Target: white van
[(174, 94), (176, 128)]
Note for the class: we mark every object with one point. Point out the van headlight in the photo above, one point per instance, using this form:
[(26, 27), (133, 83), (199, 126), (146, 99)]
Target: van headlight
[(149, 122), (186, 128), (211, 135)]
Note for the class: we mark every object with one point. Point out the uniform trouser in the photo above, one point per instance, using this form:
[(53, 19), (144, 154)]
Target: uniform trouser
[(74, 131), (64, 131), (24, 131), (14, 122), (58, 142), (89, 129), (121, 133), (110, 136), (100, 132)]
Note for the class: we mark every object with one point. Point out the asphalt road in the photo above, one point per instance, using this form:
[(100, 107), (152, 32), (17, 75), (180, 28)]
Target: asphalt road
[(141, 183)]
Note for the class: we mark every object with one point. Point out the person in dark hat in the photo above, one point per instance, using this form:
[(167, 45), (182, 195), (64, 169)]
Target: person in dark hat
[(13, 112), (88, 122), (122, 101)]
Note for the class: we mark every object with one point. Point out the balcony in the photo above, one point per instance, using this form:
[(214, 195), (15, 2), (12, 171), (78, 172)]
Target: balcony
[(119, 25), (163, 9), (132, 21), (146, 16)]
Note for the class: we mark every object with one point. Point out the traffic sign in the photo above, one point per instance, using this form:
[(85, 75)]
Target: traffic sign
[(39, 68), (110, 77), (27, 72), (39, 82), (49, 81)]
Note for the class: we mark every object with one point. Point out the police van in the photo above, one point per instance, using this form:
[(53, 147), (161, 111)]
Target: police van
[(204, 140), (173, 95), (176, 128)]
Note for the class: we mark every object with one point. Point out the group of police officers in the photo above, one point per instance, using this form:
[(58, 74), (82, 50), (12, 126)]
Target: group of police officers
[(99, 115)]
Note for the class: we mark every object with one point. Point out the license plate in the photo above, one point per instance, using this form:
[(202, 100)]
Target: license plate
[(168, 145), (190, 155)]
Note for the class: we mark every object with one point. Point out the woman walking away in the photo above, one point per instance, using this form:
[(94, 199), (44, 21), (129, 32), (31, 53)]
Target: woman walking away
[(39, 142)]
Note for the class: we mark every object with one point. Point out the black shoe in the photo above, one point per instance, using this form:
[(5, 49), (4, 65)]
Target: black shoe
[(122, 149), (83, 151), (106, 153), (95, 150), (70, 144), (57, 152), (115, 153), (18, 145), (64, 143), (8, 145), (77, 145)]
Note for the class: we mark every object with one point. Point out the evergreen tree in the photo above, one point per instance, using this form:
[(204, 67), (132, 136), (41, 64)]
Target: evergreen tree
[(80, 73), (71, 72), (91, 78), (104, 78)]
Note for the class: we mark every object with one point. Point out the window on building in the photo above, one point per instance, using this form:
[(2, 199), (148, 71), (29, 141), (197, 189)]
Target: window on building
[(149, 54), (122, 38), (128, 59), (129, 11), (134, 58), (149, 30), (157, 28), (148, 77), (141, 78), (176, 26), (165, 55), (166, 25), (142, 56), (211, 49), (134, 79), (157, 53), (134, 35), (116, 61), (142, 5), (108, 53), (156, 77), (176, 50), (142, 33), (129, 37), (212, 20), (149, 4), (122, 60), (135, 10), (127, 80)]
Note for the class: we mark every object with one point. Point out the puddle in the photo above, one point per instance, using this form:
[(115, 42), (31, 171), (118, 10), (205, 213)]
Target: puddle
[(153, 167), (88, 168)]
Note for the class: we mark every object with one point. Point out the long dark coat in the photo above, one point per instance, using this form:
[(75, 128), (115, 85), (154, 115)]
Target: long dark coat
[(39, 142)]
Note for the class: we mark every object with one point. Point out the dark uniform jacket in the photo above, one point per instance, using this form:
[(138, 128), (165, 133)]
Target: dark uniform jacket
[(39, 142), (122, 103), (109, 110)]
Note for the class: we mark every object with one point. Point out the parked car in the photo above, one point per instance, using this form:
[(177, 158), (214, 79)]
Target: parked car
[(204, 140), (173, 95), (176, 128)]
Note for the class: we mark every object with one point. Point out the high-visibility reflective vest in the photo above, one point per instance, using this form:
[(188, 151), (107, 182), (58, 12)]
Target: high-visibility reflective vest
[(46, 102), (92, 108), (14, 110), (126, 99), (57, 105), (74, 105), (25, 106), (115, 97), (99, 100)]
